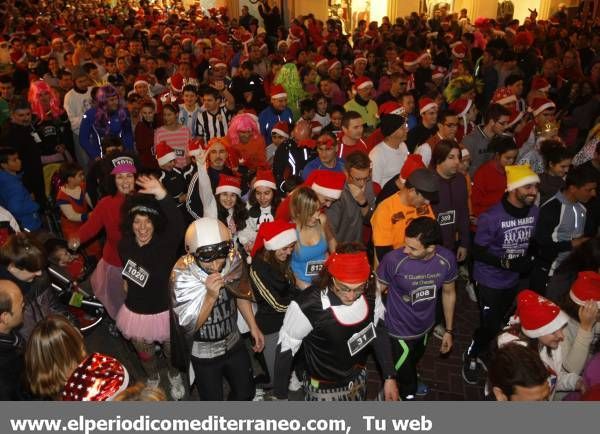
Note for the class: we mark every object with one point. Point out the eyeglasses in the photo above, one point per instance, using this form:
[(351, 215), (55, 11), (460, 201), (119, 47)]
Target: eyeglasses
[(214, 251), (343, 288)]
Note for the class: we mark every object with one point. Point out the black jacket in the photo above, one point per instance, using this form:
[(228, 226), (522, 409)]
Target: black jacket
[(12, 367)]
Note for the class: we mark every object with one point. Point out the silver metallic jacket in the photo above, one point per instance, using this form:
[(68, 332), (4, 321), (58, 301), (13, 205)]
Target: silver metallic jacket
[(188, 290)]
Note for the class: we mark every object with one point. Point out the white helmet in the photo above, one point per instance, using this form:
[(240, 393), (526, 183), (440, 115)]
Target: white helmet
[(202, 232)]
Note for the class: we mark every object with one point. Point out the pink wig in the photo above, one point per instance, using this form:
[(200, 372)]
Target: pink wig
[(35, 89), (242, 122)]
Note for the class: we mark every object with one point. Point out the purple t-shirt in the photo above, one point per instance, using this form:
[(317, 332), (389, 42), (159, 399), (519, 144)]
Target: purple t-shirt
[(503, 235), (413, 287)]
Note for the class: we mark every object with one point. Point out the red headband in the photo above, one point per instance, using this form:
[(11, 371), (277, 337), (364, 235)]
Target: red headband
[(349, 267)]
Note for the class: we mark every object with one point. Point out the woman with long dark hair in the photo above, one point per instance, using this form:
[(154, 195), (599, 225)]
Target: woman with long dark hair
[(273, 282), (108, 118), (151, 223)]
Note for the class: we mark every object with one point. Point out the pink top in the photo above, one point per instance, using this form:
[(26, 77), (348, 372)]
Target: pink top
[(178, 140)]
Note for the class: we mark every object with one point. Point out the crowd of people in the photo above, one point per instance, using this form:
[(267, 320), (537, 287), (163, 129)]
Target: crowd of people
[(299, 196)]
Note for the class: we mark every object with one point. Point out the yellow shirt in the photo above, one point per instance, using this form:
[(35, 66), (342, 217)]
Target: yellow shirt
[(390, 219)]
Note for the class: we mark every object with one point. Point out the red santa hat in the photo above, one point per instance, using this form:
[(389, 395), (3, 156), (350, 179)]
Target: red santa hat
[(141, 79), (461, 106), (459, 50), (320, 60), (412, 163), (504, 95), (540, 84), (222, 39), (540, 104), (278, 91), (315, 127), (164, 153), (274, 235), (438, 73), (585, 288), (98, 378), (177, 82), (410, 58), (391, 108), (524, 38), (229, 184), (349, 267), (264, 178), (326, 182), (362, 82), (282, 128), (359, 56), (538, 315), (194, 146), (332, 64), (515, 117), (426, 104)]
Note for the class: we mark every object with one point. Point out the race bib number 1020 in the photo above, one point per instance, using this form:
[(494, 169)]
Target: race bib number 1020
[(135, 273)]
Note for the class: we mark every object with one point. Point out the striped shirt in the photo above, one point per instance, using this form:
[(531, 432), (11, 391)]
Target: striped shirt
[(178, 140), (211, 125), (189, 119)]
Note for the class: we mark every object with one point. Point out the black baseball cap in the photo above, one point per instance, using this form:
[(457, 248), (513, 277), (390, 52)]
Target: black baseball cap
[(426, 183)]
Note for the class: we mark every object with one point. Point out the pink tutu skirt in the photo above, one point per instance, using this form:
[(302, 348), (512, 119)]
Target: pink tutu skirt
[(144, 327), (107, 284)]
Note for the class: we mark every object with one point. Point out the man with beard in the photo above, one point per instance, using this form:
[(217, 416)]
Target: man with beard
[(501, 254), (206, 300)]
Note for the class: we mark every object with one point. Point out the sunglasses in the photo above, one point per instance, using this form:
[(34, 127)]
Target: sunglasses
[(214, 251)]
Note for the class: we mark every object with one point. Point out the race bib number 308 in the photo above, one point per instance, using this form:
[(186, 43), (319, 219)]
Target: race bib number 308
[(135, 273)]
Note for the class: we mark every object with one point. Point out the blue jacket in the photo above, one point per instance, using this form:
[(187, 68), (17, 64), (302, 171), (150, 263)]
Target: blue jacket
[(269, 117), (15, 198), (90, 137)]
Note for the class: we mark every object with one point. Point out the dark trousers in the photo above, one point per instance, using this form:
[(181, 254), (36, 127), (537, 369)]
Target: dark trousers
[(234, 366), (494, 307), (538, 280), (406, 355)]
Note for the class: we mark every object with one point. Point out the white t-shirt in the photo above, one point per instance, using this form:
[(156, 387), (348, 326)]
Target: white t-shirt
[(387, 161)]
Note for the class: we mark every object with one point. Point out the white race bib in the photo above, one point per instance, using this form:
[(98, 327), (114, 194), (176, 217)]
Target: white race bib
[(360, 340), (135, 273)]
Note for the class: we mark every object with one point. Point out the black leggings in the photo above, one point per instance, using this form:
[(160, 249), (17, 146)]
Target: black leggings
[(494, 308), (406, 355), (234, 366)]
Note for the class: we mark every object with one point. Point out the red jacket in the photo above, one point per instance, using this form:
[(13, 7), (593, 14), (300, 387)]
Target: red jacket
[(107, 216)]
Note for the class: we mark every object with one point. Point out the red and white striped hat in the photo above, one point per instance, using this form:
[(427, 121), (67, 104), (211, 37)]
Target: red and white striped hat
[(426, 104), (274, 235), (362, 82), (278, 91), (326, 182), (538, 315), (264, 178), (229, 184), (540, 104), (164, 153)]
